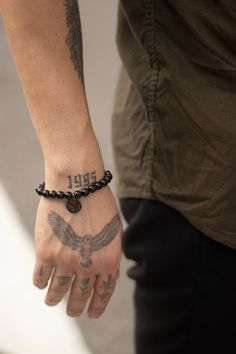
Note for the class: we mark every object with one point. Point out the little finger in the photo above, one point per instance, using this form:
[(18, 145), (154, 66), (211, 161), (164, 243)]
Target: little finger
[(103, 290)]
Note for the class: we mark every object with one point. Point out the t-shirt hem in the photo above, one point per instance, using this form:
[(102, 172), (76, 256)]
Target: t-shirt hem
[(144, 194)]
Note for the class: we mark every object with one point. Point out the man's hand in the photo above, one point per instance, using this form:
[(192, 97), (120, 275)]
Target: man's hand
[(78, 252)]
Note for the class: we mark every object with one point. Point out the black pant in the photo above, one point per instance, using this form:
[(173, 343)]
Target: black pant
[(185, 295)]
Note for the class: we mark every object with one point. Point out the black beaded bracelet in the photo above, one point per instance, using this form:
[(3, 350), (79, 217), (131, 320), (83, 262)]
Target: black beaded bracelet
[(73, 204)]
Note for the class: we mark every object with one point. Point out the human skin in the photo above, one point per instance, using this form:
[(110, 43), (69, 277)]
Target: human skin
[(46, 43)]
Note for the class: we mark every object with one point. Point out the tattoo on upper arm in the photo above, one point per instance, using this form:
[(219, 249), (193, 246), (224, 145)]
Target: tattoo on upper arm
[(74, 36), (85, 244)]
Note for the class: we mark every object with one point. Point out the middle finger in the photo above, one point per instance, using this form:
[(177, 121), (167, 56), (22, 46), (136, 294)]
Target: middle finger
[(81, 290)]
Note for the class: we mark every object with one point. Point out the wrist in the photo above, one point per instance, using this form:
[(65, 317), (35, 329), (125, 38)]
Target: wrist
[(68, 168), (73, 179), (85, 185)]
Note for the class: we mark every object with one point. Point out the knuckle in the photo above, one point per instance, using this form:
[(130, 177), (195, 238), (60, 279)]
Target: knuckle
[(88, 271), (60, 289), (65, 259), (68, 260), (111, 262), (76, 299), (47, 256)]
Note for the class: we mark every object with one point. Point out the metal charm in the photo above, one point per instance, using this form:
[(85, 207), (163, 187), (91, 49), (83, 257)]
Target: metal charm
[(73, 205)]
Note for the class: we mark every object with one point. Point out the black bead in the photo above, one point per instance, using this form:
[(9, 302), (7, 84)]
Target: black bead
[(104, 182), (53, 194), (84, 192), (60, 195), (68, 195), (39, 191), (92, 188), (107, 178), (46, 193), (77, 194), (98, 185)]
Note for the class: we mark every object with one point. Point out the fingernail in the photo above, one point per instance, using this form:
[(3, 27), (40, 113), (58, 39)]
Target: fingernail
[(69, 313), (50, 303), (73, 314), (42, 286), (93, 315)]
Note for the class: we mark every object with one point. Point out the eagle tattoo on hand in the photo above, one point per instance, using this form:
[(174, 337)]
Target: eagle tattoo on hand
[(86, 244)]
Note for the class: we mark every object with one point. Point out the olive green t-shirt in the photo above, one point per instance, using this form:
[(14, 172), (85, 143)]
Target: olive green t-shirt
[(174, 123)]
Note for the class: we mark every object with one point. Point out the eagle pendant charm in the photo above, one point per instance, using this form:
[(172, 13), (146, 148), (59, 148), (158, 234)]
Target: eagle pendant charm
[(73, 205)]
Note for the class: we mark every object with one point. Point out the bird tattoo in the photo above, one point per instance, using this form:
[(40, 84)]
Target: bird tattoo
[(86, 244)]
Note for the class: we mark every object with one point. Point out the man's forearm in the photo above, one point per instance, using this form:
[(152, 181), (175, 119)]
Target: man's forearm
[(46, 42)]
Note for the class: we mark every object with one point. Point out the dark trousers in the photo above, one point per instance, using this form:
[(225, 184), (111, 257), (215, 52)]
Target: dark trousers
[(185, 294)]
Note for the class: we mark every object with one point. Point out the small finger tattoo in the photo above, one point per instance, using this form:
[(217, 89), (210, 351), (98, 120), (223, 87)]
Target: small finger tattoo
[(107, 285), (84, 288), (41, 271), (63, 280)]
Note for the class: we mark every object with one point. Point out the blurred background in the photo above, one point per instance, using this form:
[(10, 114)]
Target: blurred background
[(27, 325)]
